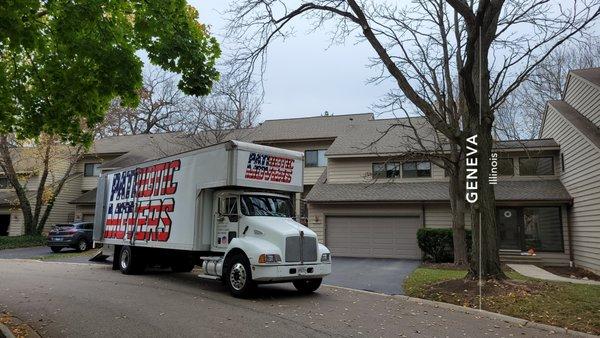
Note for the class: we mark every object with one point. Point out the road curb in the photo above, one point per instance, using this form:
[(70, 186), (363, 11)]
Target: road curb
[(477, 312), (5, 331), (15, 321)]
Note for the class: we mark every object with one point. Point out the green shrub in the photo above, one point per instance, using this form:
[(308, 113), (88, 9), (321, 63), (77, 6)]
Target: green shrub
[(10, 242), (437, 245)]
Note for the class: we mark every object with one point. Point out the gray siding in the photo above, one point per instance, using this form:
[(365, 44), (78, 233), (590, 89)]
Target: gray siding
[(359, 170), (582, 165)]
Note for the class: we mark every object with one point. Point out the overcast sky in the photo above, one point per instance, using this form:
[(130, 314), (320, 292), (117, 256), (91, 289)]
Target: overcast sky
[(305, 76)]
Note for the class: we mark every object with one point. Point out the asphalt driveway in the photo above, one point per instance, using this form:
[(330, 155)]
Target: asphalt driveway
[(371, 274)]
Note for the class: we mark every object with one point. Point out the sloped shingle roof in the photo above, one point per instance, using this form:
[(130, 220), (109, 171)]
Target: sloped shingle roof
[(316, 127), (587, 127), (88, 197), (526, 144), (590, 74), (140, 148), (540, 190), (383, 137), (394, 136)]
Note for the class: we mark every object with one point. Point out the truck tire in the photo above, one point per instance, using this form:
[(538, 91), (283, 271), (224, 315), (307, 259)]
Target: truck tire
[(116, 257), (307, 285), (238, 276), (130, 262)]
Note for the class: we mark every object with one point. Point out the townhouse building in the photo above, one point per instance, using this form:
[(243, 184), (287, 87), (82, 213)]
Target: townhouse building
[(574, 123), (366, 198)]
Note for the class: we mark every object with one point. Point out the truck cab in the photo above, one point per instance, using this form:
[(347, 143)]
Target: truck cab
[(262, 243)]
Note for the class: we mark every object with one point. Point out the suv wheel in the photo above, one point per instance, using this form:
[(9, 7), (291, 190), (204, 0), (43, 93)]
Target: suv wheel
[(55, 249), (238, 276), (82, 245)]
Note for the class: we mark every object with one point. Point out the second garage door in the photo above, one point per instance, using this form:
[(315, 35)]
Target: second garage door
[(375, 237)]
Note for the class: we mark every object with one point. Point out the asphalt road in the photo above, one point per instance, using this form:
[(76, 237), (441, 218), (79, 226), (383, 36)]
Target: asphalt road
[(82, 300)]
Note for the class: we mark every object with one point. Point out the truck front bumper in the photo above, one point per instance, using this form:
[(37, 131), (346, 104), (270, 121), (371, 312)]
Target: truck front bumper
[(283, 273)]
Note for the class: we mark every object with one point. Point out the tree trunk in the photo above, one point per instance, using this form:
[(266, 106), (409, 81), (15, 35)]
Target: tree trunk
[(11, 174), (457, 204), (485, 260)]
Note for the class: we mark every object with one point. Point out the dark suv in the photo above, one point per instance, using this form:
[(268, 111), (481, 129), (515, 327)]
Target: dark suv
[(72, 235)]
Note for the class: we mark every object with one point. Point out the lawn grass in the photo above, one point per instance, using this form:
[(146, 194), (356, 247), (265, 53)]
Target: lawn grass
[(572, 306), (64, 255), (11, 242)]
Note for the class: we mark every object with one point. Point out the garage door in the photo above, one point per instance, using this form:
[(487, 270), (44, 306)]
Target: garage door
[(376, 237)]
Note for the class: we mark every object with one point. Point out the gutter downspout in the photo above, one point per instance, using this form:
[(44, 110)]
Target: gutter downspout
[(570, 234)]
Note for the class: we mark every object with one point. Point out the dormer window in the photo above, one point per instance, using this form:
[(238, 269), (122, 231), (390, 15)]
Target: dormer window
[(386, 170), (416, 169), (506, 167), (91, 170), (536, 166), (315, 158)]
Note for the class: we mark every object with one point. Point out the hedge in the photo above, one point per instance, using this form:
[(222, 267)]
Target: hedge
[(437, 244), (10, 242)]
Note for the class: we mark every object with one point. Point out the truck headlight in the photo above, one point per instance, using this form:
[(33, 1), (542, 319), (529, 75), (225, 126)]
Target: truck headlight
[(269, 258), (326, 257)]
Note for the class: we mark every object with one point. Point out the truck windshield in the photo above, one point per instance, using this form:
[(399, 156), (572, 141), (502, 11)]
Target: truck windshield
[(257, 205)]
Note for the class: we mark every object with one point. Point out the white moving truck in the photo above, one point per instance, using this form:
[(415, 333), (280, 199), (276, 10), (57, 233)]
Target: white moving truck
[(226, 207)]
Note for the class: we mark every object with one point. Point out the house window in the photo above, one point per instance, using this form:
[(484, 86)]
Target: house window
[(562, 162), (542, 229), (416, 169), (4, 183), (315, 158), (91, 170), (506, 167), (386, 170), (536, 166)]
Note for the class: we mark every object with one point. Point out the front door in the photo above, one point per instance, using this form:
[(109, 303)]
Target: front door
[(225, 220), (509, 229)]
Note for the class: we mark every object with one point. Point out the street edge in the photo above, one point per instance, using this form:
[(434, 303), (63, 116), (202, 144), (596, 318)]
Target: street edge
[(16, 321), (468, 310), (5, 331)]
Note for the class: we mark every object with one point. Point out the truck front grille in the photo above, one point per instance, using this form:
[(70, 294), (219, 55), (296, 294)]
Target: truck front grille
[(297, 247)]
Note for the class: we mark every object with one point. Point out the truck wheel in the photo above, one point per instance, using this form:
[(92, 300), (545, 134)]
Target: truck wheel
[(130, 262), (55, 249), (307, 285), (116, 264), (238, 276), (82, 245)]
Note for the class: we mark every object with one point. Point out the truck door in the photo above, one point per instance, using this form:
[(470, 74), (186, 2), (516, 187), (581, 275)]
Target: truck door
[(225, 220)]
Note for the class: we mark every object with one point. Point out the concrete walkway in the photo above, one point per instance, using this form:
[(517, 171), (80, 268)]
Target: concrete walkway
[(536, 272)]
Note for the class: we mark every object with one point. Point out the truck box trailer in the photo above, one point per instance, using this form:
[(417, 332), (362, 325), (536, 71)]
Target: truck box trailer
[(226, 207)]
